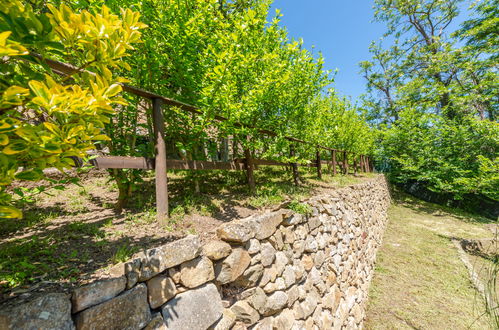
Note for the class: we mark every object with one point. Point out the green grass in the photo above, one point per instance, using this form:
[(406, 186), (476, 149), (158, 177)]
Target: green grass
[(419, 280), (60, 239)]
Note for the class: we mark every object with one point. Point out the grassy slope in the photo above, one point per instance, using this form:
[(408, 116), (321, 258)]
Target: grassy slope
[(419, 281)]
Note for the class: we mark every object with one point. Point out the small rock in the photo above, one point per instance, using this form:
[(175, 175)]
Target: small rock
[(264, 324), (253, 246), (160, 289), (269, 275), (293, 220), (281, 260), (311, 245), (276, 240), (195, 272), (250, 277), (157, 323), (275, 303), (308, 262), (174, 274), (289, 276), (268, 254), (226, 322), (245, 313), (293, 295), (233, 266), (284, 321), (257, 299), (216, 250)]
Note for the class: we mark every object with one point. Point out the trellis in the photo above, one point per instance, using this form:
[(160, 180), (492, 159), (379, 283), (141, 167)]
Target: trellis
[(160, 163)]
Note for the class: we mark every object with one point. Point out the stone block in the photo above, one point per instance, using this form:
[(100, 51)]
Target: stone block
[(199, 308), (97, 292), (160, 289), (52, 311), (267, 224), (169, 255), (233, 266), (237, 231), (195, 272), (216, 250), (245, 313), (129, 310)]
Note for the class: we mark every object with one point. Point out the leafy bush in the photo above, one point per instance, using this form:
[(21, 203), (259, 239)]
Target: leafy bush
[(46, 119), (457, 157)]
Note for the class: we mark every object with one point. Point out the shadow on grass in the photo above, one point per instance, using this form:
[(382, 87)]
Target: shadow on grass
[(66, 254), (53, 245), (402, 198)]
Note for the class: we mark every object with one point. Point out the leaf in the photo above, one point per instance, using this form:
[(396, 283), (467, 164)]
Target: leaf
[(30, 175), (4, 139), (9, 212), (15, 148)]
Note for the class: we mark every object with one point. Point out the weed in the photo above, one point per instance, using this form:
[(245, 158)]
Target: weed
[(123, 253), (301, 208)]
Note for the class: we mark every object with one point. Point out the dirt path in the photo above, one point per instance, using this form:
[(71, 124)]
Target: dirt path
[(419, 281)]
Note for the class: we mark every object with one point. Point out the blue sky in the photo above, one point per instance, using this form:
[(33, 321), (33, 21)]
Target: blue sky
[(341, 29)]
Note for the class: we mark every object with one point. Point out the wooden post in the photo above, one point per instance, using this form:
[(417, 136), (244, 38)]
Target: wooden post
[(362, 163), (354, 164), (160, 162), (333, 158), (249, 168), (319, 164), (294, 166), (345, 163)]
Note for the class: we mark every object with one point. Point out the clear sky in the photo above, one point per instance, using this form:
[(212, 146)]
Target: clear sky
[(340, 29)]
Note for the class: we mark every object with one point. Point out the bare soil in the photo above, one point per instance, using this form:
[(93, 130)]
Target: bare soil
[(68, 237)]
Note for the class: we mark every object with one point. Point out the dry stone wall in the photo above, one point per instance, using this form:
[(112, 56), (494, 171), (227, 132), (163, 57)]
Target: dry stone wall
[(277, 270)]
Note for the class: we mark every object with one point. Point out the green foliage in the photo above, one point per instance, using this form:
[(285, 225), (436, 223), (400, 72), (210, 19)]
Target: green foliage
[(123, 253), (449, 156), (226, 58), (300, 208), (46, 119), (435, 102)]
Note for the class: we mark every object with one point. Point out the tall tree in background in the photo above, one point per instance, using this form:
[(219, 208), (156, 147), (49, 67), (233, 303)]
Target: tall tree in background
[(433, 94)]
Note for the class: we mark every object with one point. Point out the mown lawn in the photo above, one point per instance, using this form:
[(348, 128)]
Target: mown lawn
[(419, 280)]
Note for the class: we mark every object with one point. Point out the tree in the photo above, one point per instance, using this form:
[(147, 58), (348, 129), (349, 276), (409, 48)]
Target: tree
[(444, 133), (45, 118)]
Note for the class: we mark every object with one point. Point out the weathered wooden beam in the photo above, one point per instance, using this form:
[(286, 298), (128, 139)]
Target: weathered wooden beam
[(319, 163), (141, 163), (160, 162), (294, 166), (68, 69), (333, 159)]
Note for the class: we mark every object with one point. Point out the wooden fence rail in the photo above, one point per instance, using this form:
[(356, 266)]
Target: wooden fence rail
[(160, 164)]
